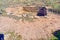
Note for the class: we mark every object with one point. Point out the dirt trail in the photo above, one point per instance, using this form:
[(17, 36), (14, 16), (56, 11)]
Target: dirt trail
[(41, 28)]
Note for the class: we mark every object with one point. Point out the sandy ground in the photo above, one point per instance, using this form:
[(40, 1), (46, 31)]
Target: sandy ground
[(41, 28)]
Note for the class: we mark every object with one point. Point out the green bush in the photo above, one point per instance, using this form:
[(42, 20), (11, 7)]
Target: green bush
[(53, 38)]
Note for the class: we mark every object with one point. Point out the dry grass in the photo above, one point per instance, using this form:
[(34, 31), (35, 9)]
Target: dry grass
[(12, 36)]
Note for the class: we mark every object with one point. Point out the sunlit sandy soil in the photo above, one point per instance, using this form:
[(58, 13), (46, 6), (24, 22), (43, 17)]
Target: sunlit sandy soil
[(40, 28)]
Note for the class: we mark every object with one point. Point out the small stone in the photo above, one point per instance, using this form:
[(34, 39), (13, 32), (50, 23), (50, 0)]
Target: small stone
[(24, 15), (19, 15)]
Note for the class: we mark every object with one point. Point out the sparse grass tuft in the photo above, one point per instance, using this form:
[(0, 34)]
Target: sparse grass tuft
[(12, 36), (4, 13)]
